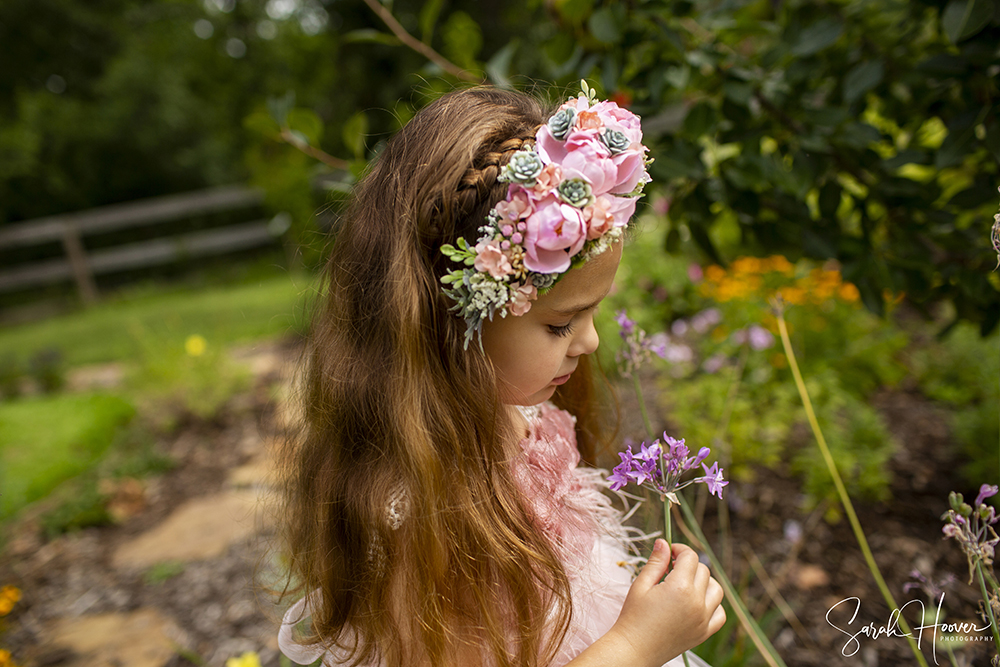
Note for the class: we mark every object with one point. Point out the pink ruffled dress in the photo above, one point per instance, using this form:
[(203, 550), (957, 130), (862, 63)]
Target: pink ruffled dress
[(585, 528)]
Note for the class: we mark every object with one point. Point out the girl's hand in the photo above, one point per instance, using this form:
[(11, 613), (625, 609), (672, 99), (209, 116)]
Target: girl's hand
[(664, 616)]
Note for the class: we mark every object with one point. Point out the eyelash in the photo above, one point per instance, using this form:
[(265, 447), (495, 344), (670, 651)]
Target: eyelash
[(562, 331)]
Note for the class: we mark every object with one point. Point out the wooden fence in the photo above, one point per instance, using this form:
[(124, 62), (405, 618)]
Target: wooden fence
[(81, 266)]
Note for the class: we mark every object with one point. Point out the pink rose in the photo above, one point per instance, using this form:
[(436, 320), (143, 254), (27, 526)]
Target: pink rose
[(555, 233), (516, 206), (631, 166), (614, 116), (521, 298), (489, 257), (622, 209), (549, 178), (598, 218), (591, 161)]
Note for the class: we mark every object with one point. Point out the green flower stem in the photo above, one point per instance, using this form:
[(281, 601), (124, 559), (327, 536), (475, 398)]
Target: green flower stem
[(986, 603), (845, 499), (749, 624), (649, 433), (724, 459)]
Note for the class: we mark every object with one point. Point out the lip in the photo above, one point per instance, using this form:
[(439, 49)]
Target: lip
[(562, 379)]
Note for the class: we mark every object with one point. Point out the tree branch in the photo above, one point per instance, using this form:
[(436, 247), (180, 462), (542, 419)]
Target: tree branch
[(313, 152), (423, 49)]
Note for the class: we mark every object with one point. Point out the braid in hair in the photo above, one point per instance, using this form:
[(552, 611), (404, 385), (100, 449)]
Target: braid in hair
[(479, 181)]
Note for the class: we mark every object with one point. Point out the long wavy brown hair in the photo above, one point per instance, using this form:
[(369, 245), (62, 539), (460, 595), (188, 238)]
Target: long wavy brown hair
[(400, 507)]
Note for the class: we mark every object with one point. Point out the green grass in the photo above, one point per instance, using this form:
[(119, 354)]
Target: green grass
[(45, 441), (224, 315)]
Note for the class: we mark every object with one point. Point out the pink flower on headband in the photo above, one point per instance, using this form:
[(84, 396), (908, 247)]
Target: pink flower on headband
[(598, 218), (555, 233), (517, 206), (489, 257), (549, 178), (521, 298), (570, 194)]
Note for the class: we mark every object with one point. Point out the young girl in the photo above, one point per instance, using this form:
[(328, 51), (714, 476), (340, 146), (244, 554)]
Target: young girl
[(436, 513)]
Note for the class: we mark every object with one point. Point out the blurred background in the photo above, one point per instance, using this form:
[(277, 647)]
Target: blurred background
[(169, 173)]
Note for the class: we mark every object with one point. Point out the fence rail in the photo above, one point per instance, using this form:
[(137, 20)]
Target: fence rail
[(70, 229)]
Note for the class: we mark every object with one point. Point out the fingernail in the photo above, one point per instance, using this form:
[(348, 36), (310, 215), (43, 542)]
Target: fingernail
[(658, 546)]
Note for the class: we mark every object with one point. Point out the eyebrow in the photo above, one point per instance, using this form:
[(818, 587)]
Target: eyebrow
[(573, 310)]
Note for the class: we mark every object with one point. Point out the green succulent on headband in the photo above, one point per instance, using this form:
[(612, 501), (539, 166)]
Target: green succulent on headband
[(576, 192), (562, 122), (524, 167), (615, 141)]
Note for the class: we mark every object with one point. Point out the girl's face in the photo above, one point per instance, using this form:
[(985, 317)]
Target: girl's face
[(538, 351)]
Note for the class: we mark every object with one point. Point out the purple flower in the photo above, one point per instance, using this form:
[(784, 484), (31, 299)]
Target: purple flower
[(713, 478), (706, 319), (793, 531), (714, 363), (618, 478), (661, 465), (972, 527), (627, 325), (760, 338), (985, 491), (702, 455)]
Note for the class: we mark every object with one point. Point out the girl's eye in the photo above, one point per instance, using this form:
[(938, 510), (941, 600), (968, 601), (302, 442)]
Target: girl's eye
[(561, 331)]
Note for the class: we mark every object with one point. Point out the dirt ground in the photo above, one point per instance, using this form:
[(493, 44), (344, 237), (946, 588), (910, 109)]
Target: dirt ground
[(171, 586)]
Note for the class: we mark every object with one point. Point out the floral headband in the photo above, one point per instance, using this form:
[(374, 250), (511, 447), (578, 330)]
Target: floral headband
[(571, 195)]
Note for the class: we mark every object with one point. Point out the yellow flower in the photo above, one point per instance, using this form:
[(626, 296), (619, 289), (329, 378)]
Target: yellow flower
[(5, 660), (195, 345), (794, 295), (9, 596), (248, 659), (779, 263), (715, 273), (848, 292), (746, 265)]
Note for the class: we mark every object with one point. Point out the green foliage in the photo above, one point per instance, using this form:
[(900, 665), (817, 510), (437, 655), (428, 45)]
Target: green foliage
[(76, 506), (161, 572), (962, 372), (44, 441), (791, 128), (177, 377), (10, 377), (228, 314), (48, 370), (735, 394)]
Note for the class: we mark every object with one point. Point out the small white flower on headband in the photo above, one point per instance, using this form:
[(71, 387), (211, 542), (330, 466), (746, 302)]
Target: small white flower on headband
[(571, 194)]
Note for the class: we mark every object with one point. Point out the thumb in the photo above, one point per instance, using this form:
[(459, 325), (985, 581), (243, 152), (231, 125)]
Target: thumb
[(656, 567)]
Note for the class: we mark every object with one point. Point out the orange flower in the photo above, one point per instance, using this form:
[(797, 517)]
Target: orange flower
[(779, 263), (848, 292), (715, 273), (9, 596), (794, 295)]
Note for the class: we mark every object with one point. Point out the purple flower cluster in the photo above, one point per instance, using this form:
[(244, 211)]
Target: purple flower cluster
[(661, 465), (972, 526), (639, 348)]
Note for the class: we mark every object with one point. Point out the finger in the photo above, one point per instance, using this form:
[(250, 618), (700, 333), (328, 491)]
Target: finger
[(655, 567), (685, 562), (715, 594), (717, 621), (702, 577)]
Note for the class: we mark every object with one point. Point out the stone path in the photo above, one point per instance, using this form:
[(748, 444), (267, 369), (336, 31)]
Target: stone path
[(183, 586)]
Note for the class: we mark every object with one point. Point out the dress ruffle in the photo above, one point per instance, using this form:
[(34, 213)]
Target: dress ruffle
[(585, 528)]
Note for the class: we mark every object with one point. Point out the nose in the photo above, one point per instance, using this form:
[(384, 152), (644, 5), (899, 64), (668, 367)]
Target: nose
[(586, 340)]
